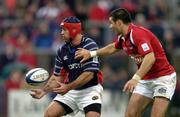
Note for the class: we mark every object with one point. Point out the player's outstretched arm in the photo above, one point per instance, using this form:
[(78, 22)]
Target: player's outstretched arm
[(81, 80), (84, 78), (52, 83), (86, 54), (37, 93)]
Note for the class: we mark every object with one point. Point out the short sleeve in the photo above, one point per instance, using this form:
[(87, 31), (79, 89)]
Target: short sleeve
[(142, 42), (58, 64), (118, 42)]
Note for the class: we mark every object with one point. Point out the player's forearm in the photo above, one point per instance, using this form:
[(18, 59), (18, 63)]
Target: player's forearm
[(146, 65), (81, 80), (107, 50), (52, 83)]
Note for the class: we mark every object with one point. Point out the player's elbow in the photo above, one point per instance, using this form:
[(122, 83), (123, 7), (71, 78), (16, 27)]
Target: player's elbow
[(152, 58), (88, 76)]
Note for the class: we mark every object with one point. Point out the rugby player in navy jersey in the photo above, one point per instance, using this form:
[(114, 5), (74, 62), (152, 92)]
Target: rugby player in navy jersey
[(82, 91)]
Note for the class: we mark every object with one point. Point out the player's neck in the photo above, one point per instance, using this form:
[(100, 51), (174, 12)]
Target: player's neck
[(77, 40), (125, 29)]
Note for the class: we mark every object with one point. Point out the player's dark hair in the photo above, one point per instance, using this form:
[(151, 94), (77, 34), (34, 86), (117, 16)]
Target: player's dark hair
[(72, 20), (121, 14)]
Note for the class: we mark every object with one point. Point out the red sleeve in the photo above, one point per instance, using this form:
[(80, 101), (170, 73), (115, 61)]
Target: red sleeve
[(118, 43), (142, 42)]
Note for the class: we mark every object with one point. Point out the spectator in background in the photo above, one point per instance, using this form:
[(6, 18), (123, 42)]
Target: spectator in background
[(8, 57), (32, 8), (96, 33), (10, 35), (14, 81), (44, 37), (81, 11), (27, 27), (130, 6), (176, 40), (11, 5), (28, 57), (97, 12), (168, 37), (64, 12), (143, 8), (49, 11)]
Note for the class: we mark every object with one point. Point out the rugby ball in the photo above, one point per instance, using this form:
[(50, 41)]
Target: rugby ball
[(37, 76)]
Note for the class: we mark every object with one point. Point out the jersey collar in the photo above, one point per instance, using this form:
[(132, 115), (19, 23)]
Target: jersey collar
[(129, 30)]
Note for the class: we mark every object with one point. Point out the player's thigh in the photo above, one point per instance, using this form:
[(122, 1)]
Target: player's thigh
[(159, 107), (54, 110), (137, 104)]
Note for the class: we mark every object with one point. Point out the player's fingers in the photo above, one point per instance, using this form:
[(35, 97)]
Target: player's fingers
[(77, 56), (60, 83), (84, 59), (34, 96), (56, 90), (131, 89), (125, 88), (80, 48), (77, 52), (34, 90)]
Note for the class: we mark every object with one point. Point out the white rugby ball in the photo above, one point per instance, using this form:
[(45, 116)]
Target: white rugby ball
[(37, 76)]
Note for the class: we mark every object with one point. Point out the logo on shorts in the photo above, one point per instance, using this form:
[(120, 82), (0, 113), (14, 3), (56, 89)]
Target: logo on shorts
[(95, 97), (162, 90)]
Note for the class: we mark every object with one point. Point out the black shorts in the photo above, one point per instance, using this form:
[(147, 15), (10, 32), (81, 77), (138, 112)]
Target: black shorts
[(96, 107)]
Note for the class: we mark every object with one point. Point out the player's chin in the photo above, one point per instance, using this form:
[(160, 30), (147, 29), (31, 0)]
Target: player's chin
[(117, 33), (66, 40)]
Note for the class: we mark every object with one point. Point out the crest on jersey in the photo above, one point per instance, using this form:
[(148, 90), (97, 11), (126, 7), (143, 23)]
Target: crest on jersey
[(145, 47), (65, 57)]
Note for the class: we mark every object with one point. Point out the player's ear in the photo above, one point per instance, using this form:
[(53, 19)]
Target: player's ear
[(119, 22)]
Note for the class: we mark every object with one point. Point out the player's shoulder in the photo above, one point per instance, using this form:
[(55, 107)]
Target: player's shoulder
[(139, 30), (86, 39), (62, 48), (89, 43)]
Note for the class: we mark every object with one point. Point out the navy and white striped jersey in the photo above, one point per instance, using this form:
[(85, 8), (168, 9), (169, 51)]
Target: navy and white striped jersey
[(65, 59)]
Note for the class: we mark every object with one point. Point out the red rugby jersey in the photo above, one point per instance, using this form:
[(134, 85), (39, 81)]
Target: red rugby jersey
[(138, 42)]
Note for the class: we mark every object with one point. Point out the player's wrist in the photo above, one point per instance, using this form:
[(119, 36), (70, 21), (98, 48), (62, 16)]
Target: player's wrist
[(136, 77), (93, 53), (44, 90)]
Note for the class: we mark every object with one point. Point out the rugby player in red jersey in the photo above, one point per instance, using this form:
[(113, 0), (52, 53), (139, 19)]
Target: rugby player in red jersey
[(155, 80)]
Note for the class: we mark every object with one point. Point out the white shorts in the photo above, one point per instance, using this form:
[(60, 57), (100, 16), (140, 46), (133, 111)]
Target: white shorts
[(78, 99), (163, 86)]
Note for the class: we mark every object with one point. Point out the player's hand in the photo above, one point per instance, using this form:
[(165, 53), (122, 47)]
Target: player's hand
[(37, 93), (63, 89), (130, 85), (82, 54)]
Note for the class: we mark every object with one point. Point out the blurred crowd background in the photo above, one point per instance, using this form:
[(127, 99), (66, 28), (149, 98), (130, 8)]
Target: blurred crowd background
[(30, 36)]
